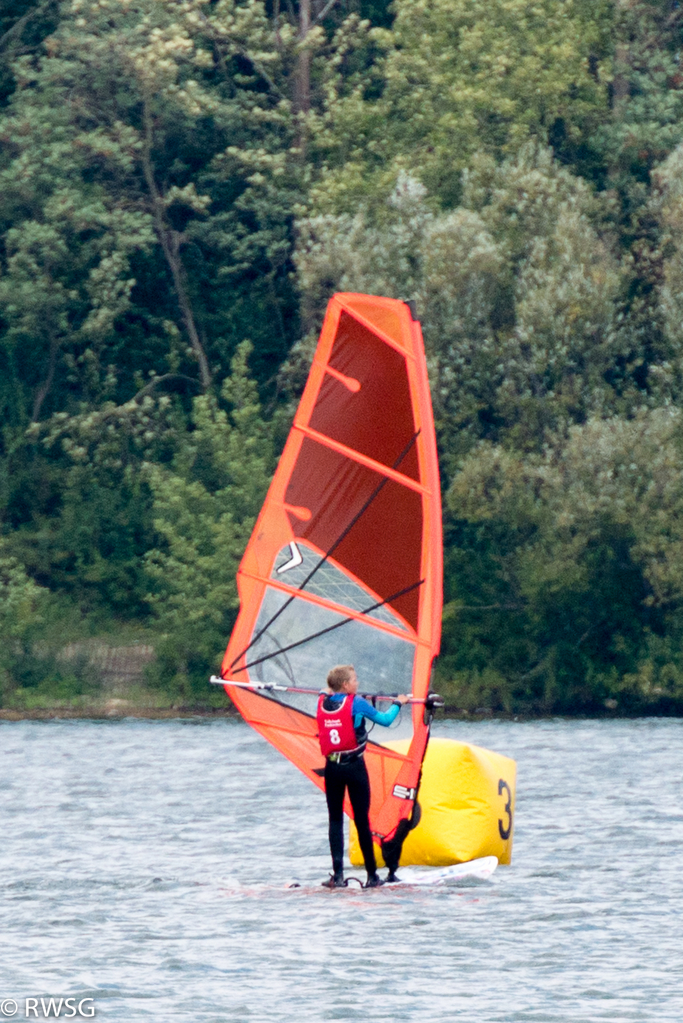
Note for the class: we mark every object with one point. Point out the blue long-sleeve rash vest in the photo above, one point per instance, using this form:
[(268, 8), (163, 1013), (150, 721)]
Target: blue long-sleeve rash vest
[(363, 709)]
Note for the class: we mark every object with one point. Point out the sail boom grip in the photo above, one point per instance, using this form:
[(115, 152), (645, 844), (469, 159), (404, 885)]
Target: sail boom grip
[(216, 680)]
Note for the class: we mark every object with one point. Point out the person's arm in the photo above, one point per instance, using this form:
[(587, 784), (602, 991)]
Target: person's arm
[(380, 717)]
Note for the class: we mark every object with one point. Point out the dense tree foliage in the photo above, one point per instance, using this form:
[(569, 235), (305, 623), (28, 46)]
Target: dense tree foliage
[(183, 184)]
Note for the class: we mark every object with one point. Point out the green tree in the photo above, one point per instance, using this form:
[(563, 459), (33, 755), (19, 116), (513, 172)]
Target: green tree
[(90, 547), (644, 124), (566, 575), (22, 605), (146, 187), (454, 78), (20, 599), (151, 142), (205, 506), (23, 26), (516, 291), (668, 204)]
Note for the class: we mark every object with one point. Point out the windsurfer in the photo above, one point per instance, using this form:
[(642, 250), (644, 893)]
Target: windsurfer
[(343, 737)]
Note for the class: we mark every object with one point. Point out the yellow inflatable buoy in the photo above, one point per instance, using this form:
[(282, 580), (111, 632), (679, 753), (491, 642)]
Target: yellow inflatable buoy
[(467, 798)]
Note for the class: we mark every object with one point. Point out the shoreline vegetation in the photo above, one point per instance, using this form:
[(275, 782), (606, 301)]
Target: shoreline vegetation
[(98, 678), (122, 709), (184, 184)]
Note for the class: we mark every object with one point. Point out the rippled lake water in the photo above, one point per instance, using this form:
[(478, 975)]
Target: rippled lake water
[(142, 865)]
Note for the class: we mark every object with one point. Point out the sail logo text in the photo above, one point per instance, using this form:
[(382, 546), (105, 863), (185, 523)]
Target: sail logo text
[(401, 792), (49, 1008)]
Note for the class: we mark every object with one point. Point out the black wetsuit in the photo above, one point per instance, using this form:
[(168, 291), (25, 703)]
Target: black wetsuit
[(350, 773), (338, 778)]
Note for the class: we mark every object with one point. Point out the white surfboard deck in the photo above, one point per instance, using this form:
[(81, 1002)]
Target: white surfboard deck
[(458, 874), (422, 877), (473, 870)]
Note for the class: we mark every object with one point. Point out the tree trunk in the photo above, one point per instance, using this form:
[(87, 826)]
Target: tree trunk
[(303, 71), (170, 244), (46, 387), (620, 83)]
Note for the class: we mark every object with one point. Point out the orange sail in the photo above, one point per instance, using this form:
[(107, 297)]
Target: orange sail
[(345, 562)]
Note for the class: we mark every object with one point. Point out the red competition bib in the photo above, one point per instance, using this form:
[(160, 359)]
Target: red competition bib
[(335, 727)]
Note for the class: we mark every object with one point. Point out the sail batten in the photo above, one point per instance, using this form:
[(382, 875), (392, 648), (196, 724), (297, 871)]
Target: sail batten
[(344, 563), (313, 598), (358, 456), (323, 632)]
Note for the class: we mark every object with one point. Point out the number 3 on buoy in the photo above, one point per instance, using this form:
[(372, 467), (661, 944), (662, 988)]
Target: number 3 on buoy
[(506, 828)]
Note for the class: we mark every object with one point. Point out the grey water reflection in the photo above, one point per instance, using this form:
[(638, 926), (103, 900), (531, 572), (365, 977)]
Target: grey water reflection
[(143, 863)]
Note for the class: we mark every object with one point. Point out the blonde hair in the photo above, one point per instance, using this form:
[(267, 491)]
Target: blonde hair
[(338, 676)]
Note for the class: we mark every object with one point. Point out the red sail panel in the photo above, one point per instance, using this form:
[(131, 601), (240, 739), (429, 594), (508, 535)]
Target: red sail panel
[(344, 564), (377, 419), (383, 546)]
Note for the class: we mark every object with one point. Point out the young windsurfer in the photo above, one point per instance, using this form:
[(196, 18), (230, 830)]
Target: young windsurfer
[(343, 737)]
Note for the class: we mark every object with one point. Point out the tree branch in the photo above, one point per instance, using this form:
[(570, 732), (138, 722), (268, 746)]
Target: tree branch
[(243, 53), (22, 22), (153, 384), (488, 607), (325, 11)]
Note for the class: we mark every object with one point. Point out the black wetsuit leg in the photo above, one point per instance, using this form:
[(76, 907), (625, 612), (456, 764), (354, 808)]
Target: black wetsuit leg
[(335, 786), (354, 777), (359, 794)]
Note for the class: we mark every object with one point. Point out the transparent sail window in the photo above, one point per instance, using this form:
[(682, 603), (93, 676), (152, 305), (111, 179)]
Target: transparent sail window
[(383, 662), (296, 561)]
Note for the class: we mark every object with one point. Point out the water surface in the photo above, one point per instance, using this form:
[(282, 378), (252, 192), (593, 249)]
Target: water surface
[(143, 864)]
